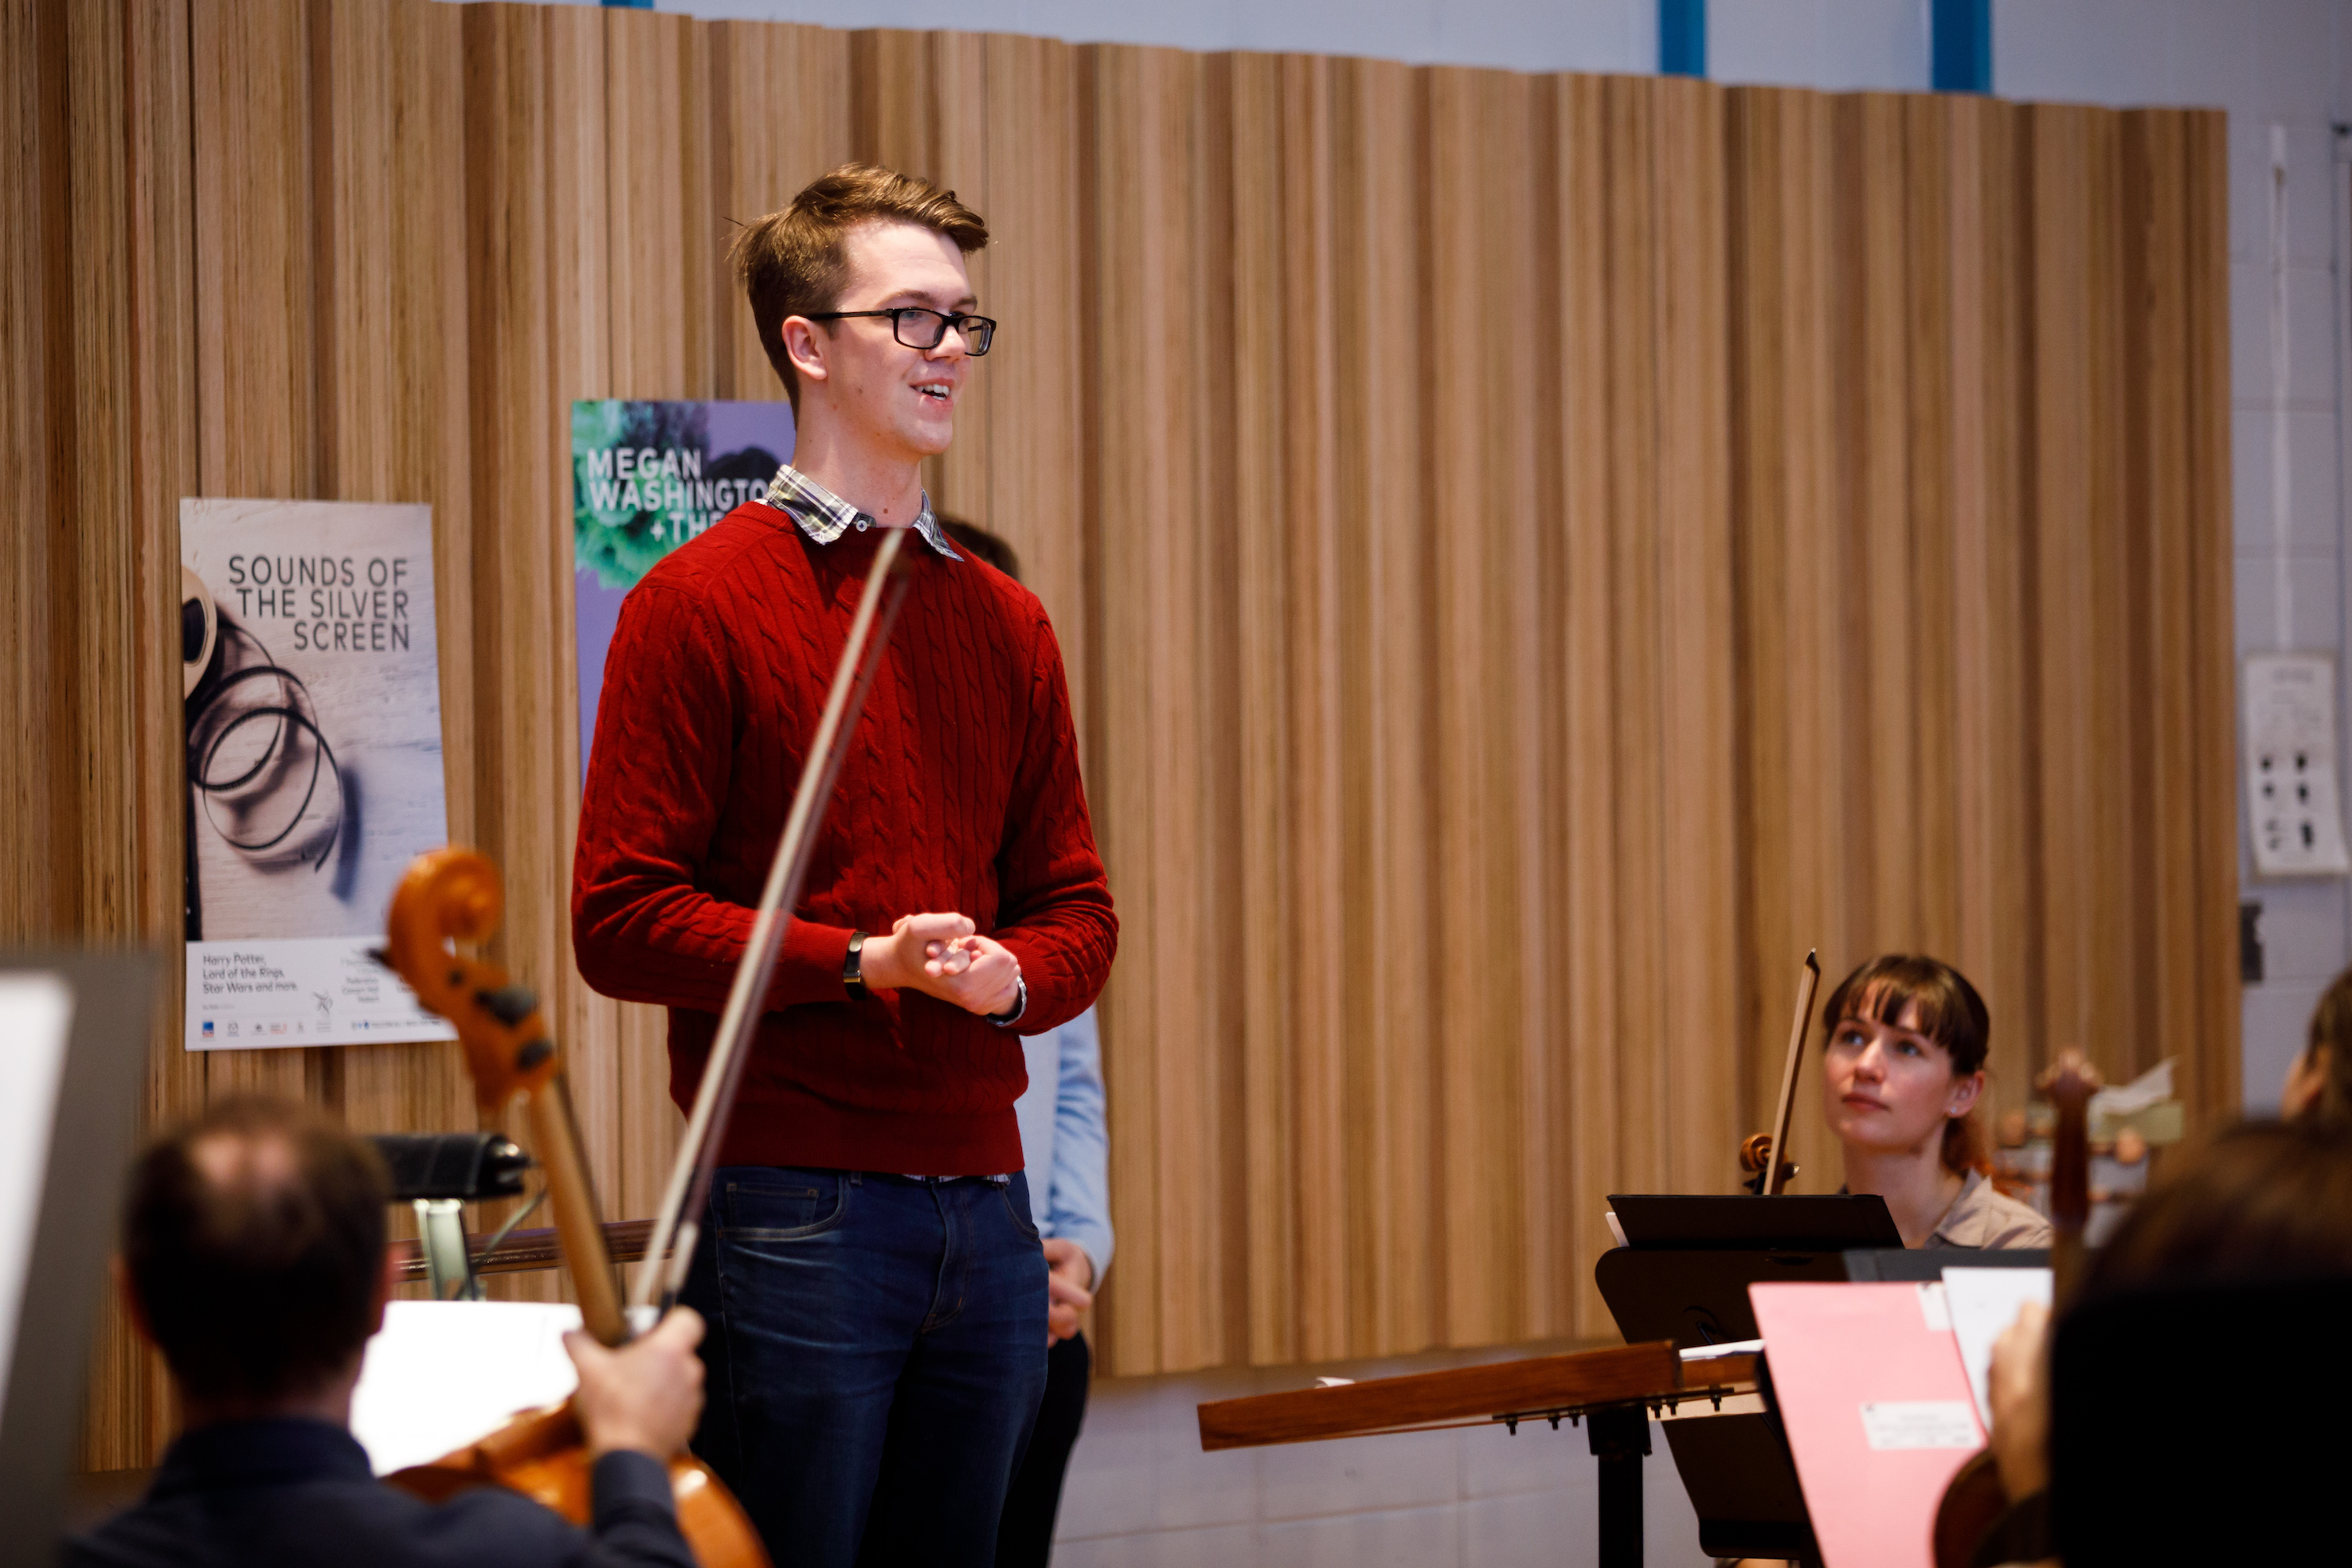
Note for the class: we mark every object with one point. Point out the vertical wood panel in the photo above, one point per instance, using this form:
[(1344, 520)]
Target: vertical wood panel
[(2156, 500), (1288, 1101), (1700, 1012), (1995, 639), (1644, 1107), (2060, 501), (1153, 832), (389, 277), (1036, 469), (254, 310), (2215, 1069), (1475, 455), (1591, 1026), (1929, 489), (1382, 399), (779, 117)]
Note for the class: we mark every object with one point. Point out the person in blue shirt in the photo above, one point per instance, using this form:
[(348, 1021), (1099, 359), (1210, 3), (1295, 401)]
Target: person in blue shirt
[(1066, 1147)]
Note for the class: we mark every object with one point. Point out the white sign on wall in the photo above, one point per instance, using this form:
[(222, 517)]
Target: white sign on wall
[(2293, 803), (313, 730)]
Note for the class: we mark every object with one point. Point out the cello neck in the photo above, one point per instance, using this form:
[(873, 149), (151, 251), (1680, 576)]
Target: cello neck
[(2069, 1085), (453, 894), (579, 1226)]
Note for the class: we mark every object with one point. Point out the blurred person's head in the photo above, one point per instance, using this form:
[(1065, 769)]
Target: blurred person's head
[(252, 1256), (2319, 1083), (1904, 1054), (2263, 1201), (974, 540)]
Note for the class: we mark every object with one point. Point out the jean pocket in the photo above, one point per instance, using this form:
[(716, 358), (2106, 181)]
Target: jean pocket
[(782, 1207), (1021, 1222)]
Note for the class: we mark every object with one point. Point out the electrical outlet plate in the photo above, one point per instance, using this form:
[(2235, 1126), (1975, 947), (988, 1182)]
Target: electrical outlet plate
[(2293, 803)]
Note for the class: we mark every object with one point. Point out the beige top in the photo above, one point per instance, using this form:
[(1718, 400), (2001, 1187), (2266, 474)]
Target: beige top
[(1981, 1218)]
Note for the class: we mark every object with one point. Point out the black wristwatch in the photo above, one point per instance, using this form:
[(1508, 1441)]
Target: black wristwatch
[(853, 967)]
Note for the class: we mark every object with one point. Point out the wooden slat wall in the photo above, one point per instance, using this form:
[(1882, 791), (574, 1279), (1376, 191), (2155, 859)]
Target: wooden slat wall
[(1533, 554)]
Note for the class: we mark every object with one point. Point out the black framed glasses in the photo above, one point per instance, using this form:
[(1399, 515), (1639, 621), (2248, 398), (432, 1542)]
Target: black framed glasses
[(919, 328)]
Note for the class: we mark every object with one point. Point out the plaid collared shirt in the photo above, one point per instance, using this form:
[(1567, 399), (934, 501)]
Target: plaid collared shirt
[(825, 516)]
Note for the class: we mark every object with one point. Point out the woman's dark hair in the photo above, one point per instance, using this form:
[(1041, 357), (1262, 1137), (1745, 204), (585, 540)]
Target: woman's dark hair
[(2331, 1027), (2263, 1201), (1950, 1013), (978, 541), (253, 1240)]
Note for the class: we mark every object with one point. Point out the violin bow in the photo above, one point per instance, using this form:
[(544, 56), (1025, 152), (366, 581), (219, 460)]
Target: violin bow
[(1809, 980), (670, 1253)]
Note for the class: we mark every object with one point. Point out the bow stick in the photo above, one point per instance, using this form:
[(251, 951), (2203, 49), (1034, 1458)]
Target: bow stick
[(676, 1228)]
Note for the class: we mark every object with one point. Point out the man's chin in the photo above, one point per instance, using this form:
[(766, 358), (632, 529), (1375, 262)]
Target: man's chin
[(930, 438)]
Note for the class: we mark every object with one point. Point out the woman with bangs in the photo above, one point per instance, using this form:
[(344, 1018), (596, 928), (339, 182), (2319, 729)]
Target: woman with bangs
[(1903, 1067)]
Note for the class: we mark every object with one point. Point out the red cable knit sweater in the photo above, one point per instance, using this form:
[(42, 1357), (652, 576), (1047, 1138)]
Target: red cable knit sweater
[(960, 792)]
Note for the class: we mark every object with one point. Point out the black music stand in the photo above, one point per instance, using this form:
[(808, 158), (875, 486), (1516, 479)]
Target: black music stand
[(1926, 1265), (1684, 1275), (60, 1224)]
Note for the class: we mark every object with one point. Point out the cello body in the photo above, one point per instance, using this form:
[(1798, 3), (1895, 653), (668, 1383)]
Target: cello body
[(543, 1455)]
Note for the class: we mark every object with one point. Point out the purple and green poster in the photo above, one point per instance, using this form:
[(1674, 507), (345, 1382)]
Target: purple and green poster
[(647, 477)]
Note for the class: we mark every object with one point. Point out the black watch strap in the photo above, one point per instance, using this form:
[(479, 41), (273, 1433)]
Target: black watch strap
[(853, 967)]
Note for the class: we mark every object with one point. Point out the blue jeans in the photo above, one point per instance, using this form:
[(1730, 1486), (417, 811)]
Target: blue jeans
[(875, 1354)]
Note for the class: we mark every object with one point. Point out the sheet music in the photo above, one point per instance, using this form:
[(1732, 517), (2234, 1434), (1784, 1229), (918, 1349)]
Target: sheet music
[(1983, 1302), (442, 1375), (36, 1013)]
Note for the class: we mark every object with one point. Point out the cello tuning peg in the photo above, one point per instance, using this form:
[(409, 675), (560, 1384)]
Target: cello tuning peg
[(509, 1004), (531, 1055)]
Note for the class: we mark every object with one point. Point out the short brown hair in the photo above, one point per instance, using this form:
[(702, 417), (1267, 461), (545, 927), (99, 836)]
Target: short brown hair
[(1950, 1013), (2331, 1030), (791, 263), (260, 1283), (2265, 1200), (977, 541)]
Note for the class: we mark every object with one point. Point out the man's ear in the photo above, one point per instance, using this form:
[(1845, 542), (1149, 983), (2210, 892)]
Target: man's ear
[(805, 347), (129, 1294)]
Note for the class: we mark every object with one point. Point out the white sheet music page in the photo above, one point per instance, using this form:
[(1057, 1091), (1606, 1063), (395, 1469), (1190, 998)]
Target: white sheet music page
[(442, 1375), (1983, 1302), (36, 1013)]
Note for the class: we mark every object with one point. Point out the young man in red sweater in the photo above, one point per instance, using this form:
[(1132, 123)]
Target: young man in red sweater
[(874, 1284)]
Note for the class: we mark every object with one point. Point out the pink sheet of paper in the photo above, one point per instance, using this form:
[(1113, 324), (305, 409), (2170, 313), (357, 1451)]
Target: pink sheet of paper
[(1870, 1386)]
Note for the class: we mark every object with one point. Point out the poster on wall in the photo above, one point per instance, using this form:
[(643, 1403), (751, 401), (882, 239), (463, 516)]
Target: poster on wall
[(313, 730), (647, 477)]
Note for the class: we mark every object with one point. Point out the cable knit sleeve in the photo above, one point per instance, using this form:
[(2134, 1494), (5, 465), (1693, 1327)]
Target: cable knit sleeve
[(1053, 907), (641, 926)]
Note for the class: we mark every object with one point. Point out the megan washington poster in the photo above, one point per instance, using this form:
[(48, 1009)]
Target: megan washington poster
[(312, 715), (647, 477)]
